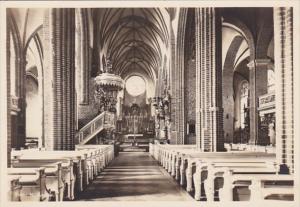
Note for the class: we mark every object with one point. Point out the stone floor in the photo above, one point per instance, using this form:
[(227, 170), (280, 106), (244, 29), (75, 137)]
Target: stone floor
[(134, 176)]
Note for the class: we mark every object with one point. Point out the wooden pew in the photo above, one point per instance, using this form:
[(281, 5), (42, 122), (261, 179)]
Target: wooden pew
[(105, 152), (57, 170), (103, 155), (227, 157), (190, 166), (55, 176), (184, 160), (78, 167), (180, 162), (214, 169), (32, 182), (70, 171), (261, 186), (14, 192), (165, 152), (87, 161)]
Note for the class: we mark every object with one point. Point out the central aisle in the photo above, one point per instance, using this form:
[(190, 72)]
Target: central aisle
[(134, 176)]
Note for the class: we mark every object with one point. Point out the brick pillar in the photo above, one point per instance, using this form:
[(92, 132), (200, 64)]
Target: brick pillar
[(21, 122), (258, 85), (209, 111), (21, 115), (59, 31), (283, 42), (179, 78)]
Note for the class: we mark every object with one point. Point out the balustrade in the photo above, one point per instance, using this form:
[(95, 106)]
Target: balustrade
[(103, 121)]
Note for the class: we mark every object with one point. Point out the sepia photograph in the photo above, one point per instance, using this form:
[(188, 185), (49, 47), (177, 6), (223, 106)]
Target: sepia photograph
[(193, 103)]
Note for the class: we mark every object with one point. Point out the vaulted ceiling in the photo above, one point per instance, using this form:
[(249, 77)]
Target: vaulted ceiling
[(133, 38)]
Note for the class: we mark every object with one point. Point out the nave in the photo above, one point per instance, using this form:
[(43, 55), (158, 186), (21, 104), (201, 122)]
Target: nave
[(208, 91), (134, 176)]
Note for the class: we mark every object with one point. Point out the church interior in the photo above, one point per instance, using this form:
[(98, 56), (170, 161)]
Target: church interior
[(176, 104)]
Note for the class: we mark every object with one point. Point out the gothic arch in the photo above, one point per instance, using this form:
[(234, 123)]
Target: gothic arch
[(83, 56), (228, 91), (18, 115), (13, 30), (241, 27), (265, 34), (35, 37), (34, 48)]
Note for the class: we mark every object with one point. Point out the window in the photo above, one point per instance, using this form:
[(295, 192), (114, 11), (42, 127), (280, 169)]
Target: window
[(135, 85), (244, 104)]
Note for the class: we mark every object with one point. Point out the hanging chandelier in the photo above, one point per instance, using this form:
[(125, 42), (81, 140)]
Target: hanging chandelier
[(108, 85)]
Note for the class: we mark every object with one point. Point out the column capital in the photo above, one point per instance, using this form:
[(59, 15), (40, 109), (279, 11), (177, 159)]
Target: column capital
[(258, 62)]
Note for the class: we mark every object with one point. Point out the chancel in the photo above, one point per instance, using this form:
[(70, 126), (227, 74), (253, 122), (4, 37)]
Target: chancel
[(150, 104)]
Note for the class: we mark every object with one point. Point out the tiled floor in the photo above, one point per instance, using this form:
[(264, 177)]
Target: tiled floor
[(134, 176)]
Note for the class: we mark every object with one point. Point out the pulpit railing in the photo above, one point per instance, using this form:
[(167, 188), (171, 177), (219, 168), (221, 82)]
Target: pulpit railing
[(103, 121)]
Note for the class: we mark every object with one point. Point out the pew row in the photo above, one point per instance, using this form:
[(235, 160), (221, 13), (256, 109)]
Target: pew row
[(175, 159), (29, 185), (261, 186), (208, 170), (66, 170), (72, 171), (201, 172)]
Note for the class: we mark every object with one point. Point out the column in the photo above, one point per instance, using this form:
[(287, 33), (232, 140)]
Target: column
[(283, 42), (209, 111), (59, 33), (179, 78), (16, 67), (83, 57), (173, 137), (258, 85)]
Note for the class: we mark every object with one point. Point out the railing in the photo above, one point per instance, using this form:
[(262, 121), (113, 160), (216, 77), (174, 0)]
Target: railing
[(267, 100), (102, 121)]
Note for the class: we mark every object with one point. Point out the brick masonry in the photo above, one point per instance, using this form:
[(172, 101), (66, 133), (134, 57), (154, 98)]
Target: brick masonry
[(178, 97), (258, 85), (59, 33), (209, 111), (283, 41), (190, 98), (88, 111)]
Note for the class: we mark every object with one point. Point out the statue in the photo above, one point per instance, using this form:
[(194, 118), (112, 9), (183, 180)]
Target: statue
[(272, 134)]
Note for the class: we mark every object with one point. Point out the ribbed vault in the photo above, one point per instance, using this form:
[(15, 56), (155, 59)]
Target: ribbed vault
[(133, 38)]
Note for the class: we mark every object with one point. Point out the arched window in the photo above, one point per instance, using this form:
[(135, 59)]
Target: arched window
[(244, 103)]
